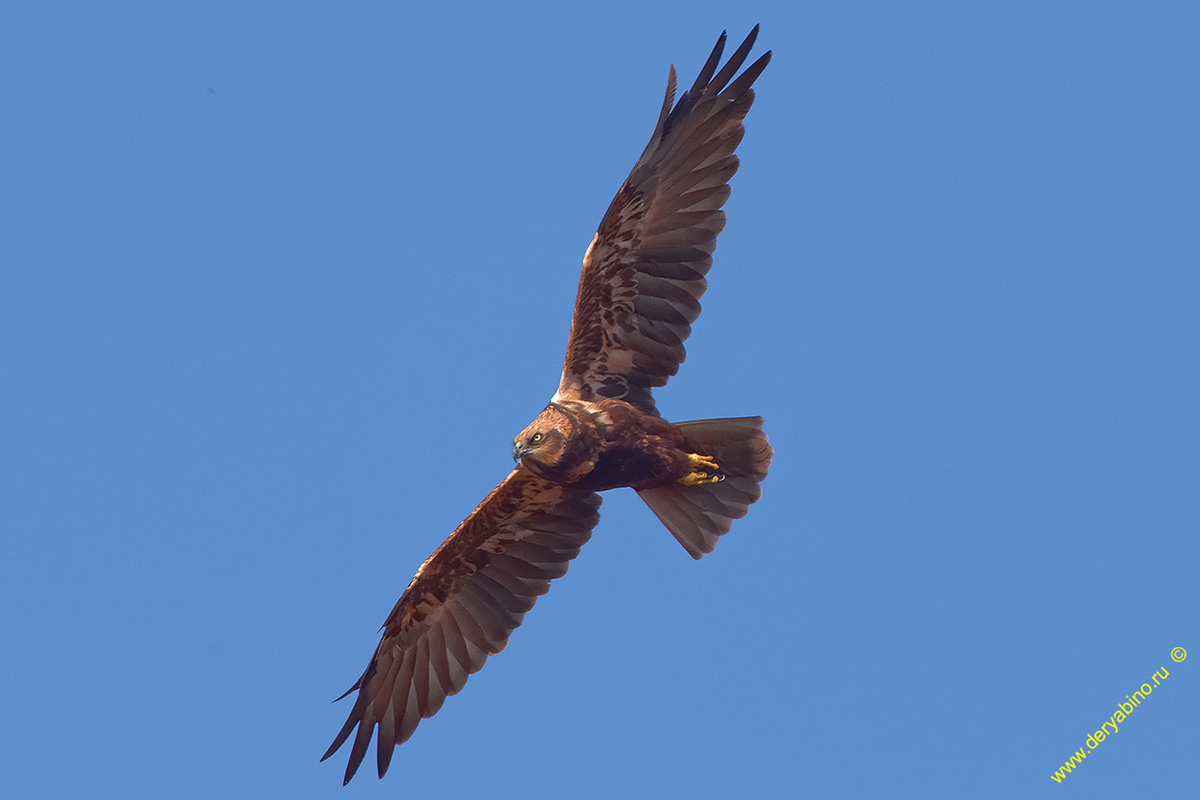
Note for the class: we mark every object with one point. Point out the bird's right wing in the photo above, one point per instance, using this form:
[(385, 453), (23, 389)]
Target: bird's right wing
[(465, 601)]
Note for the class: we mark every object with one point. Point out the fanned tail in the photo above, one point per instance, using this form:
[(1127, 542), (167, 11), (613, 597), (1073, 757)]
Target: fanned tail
[(698, 515)]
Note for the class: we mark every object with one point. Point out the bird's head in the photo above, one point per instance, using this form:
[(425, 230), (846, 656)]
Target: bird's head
[(561, 445)]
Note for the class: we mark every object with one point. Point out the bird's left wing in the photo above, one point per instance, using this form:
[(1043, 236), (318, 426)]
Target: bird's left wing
[(465, 601), (643, 274)]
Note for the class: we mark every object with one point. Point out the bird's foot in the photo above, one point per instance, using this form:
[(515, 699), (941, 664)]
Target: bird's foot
[(704, 470)]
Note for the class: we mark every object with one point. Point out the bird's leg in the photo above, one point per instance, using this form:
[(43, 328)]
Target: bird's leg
[(704, 470)]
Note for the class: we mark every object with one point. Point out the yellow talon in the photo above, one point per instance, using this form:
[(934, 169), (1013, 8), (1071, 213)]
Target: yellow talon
[(704, 470)]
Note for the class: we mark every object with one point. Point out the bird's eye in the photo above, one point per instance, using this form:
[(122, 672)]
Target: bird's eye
[(537, 437)]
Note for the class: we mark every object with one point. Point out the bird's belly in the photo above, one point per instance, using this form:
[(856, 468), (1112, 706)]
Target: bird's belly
[(629, 467)]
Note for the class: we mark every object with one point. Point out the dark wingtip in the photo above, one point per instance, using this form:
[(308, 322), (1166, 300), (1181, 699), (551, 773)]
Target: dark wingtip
[(337, 743), (710, 66), (356, 757)]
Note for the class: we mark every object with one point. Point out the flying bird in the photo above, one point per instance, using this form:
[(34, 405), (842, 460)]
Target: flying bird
[(642, 278)]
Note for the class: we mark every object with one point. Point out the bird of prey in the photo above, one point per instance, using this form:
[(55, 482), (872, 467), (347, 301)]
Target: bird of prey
[(642, 278)]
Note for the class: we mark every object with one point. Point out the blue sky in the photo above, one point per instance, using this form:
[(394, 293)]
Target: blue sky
[(278, 284)]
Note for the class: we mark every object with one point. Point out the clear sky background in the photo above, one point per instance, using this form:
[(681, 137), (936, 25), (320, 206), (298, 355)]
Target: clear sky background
[(279, 283)]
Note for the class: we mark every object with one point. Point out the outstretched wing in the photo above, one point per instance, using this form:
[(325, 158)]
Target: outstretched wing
[(465, 601), (643, 274)]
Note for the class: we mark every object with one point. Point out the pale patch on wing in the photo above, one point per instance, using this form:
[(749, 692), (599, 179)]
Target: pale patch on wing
[(462, 606), (620, 360), (643, 274)]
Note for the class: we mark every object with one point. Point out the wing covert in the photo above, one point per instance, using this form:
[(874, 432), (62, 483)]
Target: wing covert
[(462, 606), (643, 274)]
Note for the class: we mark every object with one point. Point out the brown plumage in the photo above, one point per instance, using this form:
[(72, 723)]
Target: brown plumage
[(639, 292)]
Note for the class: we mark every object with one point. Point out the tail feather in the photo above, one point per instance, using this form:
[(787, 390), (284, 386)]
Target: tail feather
[(698, 515)]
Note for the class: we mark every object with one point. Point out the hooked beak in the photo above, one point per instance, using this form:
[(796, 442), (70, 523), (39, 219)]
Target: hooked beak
[(520, 452)]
